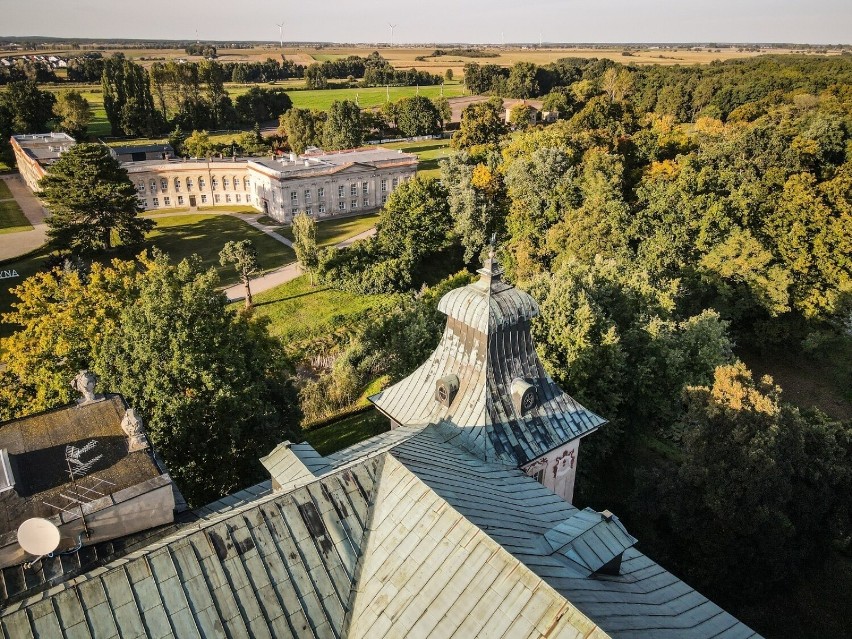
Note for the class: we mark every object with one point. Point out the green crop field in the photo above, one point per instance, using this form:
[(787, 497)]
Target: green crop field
[(369, 97), (12, 218)]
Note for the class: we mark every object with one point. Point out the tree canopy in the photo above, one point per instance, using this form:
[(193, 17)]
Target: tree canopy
[(91, 198), (213, 388)]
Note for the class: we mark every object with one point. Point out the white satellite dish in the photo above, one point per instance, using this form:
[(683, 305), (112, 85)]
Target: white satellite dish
[(38, 536)]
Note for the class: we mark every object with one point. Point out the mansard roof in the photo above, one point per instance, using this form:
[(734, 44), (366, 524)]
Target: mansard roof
[(487, 351)]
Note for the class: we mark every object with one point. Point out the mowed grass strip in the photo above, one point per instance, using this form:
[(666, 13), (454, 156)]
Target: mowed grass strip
[(5, 193), (298, 311), (331, 232), (347, 432), (204, 234), (12, 218)]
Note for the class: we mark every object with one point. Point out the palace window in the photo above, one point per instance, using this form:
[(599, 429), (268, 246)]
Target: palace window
[(201, 183), (156, 201), (365, 187), (177, 184), (384, 199), (214, 183), (167, 201), (341, 191), (204, 199), (394, 183), (236, 182), (353, 189), (384, 186), (320, 193), (307, 195), (248, 198), (309, 210), (294, 212), (239, 198), (322, 208), (246, 183), (227, 197), (294, 197), (188, 184), (354, 203), (225, 183), (341, 205), (164, 184), (366, 202), (216, 198), (180, 199), (153, 186), (140, 188)]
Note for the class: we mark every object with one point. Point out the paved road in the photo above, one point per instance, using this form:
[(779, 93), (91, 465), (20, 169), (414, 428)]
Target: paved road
[(14, 244)]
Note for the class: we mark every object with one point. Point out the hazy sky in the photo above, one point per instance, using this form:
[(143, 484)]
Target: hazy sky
[(804, 21)]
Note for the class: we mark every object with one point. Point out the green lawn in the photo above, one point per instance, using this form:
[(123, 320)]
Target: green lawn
[(330, 232), (12, 218), (429, 152), (298, 312), (5, 193), (347, 431), (205, 234), (369, 97)]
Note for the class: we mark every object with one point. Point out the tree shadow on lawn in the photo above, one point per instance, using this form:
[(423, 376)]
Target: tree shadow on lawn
[(207, 237), (278, 300)]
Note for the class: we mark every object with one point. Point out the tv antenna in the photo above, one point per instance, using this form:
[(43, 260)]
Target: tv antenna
[(280, 33), (392, 27), (38, 537)]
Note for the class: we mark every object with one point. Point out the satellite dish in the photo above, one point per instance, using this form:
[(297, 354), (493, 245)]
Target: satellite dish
[(38, 536)]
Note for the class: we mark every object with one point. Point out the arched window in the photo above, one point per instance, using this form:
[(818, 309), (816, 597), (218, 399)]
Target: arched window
[(225, 183), (200, 182), (153, 185), (214, 182), (189, 184), (246, 183), (177, 184), (236, 182)]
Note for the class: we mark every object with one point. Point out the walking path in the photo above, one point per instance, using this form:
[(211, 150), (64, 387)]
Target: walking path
[(286, 273), (15, 244)]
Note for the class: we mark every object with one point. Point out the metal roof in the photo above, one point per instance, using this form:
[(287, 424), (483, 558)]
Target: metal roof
[(411, 537), (487, 346)]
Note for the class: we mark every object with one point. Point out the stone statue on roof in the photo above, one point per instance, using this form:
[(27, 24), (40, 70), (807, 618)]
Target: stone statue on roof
[(132, 426), (84, 383)]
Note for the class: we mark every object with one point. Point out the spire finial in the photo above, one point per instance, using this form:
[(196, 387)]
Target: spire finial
[(490, 268)]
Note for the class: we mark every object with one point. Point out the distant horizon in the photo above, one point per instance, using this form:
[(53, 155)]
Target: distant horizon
[(543, 43), (817, 22)]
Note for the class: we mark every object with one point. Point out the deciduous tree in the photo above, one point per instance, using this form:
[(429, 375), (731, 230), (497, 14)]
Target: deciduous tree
[(74, 114), (305, 244), (243, 256), (343, 128)]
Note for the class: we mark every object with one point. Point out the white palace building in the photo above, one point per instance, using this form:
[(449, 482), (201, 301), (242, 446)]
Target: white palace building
[(321, 184)]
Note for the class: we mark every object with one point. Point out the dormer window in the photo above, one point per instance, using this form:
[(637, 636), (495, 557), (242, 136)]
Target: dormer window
[(446, 388), (524, 396)]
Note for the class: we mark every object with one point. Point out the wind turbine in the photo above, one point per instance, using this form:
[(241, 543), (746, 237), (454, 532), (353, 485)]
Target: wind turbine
[(281, 33), (392, 27)]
